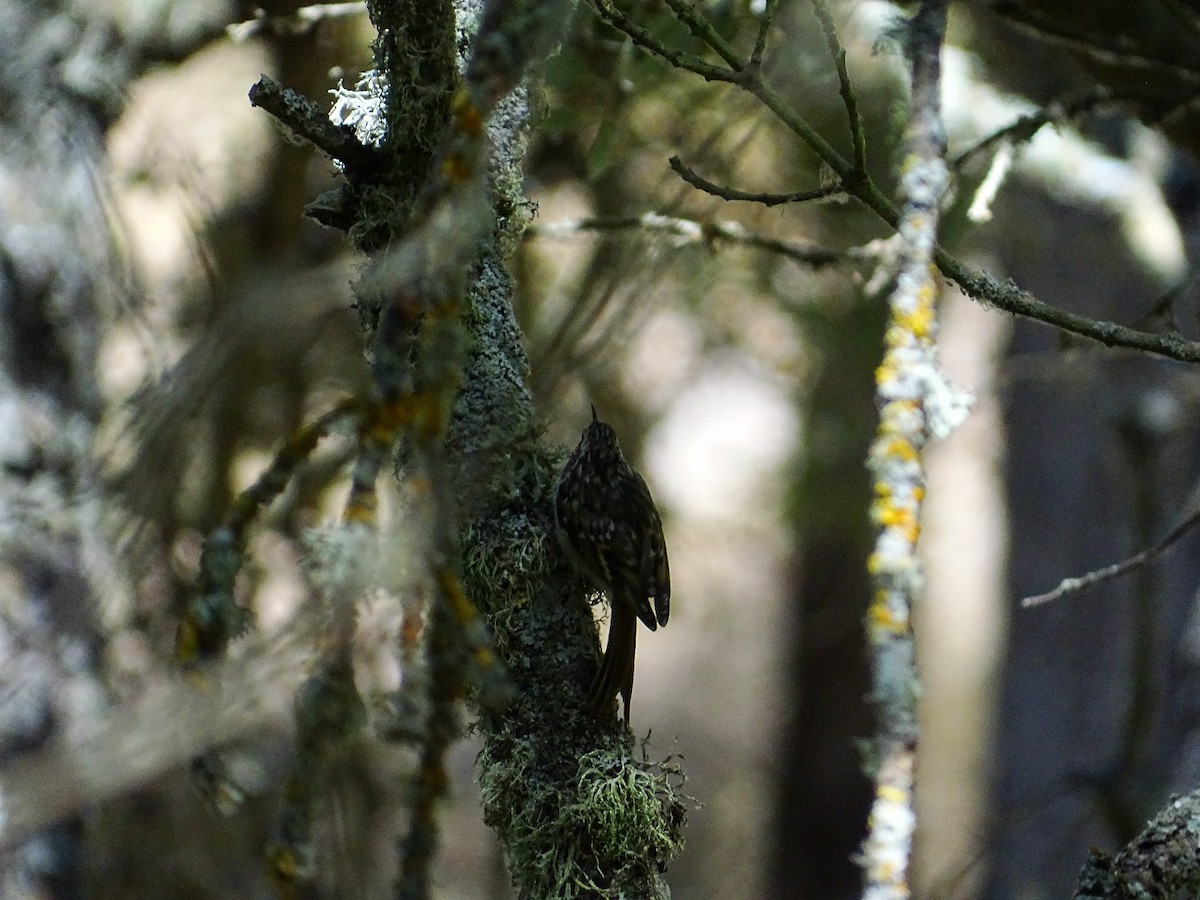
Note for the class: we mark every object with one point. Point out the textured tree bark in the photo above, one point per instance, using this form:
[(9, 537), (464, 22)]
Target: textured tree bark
[(56, 271), (577, 813)]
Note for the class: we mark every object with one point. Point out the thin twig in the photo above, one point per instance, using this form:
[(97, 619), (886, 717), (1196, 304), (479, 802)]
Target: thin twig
[(1162, 310), (849, 100), (685, 11), (1116, 570), (980, 286), (764, 26), (647, 41), (1094, 44), (1172, 114), (816, 257), (690, 231), (766, 199), (1024, 128)]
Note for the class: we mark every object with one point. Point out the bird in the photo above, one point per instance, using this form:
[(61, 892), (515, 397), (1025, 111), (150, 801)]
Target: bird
[(611, 532)]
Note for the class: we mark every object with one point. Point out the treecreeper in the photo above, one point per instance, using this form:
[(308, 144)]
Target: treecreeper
[(611, 532)]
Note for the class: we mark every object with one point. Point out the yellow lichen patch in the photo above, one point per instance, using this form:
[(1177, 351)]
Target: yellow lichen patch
[(902, 407), (899, 448), (888, 424), (885, 372), (429, 415), (412, 626), (883, 619), (284, 866), (927, 295), (889, 515), (875, 563), (187, 643), (384, 420), (917, 322), (900, 518), (455, 595)]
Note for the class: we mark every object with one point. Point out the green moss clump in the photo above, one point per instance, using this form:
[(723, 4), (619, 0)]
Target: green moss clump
[(606, 830)]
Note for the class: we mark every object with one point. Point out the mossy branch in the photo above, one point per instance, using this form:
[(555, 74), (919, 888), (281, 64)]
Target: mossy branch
[(445, 328)]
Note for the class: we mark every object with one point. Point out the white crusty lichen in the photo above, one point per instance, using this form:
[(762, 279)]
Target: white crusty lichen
[(892, 823), (362, 107), (916, 403)]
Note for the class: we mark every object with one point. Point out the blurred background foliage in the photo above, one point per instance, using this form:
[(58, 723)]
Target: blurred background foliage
[(740, 378)]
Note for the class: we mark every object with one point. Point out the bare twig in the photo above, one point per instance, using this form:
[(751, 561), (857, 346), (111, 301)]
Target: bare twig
[(764, 27), (690, 231), (980, 286), (1024, 128), (857, 137), (686, 12), (766, 199), (647, 41), (1098, 576), (1099, 45)]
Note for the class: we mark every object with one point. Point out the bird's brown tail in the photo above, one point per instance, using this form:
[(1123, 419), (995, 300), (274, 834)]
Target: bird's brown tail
[(616, 669)]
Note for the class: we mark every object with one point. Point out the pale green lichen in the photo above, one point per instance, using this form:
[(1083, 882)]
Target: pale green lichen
[(607, 833)]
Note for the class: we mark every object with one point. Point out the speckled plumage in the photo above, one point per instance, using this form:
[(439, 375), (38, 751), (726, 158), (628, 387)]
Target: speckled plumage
[(610, 530)]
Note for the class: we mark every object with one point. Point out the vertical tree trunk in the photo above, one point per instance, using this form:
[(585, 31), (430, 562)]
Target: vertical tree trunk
[(56, 270)]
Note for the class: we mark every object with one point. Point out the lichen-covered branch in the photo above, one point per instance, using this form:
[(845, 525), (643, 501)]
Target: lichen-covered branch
[(213, 617), (914, 403), (1160, 862), (450, 381), (305, 120)]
